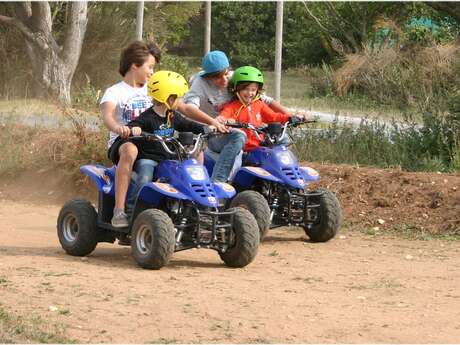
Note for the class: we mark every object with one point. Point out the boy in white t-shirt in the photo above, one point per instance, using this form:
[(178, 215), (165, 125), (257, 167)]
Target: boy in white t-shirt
[(122, 103)]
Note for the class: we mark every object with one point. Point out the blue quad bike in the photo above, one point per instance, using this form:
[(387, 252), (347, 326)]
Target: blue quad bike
[(274, 187), (180, 210)]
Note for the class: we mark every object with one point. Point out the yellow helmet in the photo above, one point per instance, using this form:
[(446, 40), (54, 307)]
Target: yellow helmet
[(163, 84)]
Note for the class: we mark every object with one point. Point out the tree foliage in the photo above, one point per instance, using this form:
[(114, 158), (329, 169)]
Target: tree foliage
[(55, 53)]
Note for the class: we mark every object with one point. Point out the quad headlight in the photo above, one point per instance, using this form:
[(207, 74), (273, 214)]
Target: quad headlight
[(196, 172), (285, 157)]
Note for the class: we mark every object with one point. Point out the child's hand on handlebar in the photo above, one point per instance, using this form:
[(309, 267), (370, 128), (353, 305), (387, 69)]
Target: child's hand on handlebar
[(220, 126), (211, 129), (135, 131), (123, 131)]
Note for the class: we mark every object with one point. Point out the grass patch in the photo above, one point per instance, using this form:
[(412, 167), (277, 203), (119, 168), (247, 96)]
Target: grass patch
[(29, 106), (434, 146), (26, 148), (412, 232), (379, 284), (15, 329)]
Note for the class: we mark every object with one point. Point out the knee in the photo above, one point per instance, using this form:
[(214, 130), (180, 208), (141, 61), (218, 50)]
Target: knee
[(238, 137), (128, 152)]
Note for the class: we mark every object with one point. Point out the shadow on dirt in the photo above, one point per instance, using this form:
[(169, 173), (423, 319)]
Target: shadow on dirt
[(108, 257), (271, 239)]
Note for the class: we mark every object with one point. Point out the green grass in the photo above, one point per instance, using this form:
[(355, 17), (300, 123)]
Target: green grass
[(21, 107), (412, 232), (16, 329)]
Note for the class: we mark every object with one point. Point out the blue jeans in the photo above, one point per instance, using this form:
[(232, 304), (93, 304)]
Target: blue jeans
[(142, 174), (228, 146)]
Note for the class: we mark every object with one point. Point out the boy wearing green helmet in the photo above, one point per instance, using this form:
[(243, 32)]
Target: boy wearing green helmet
[(209, 92), (246, 85)]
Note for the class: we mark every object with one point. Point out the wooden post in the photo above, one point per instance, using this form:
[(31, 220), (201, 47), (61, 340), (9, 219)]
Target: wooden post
[(207, 27), (139, 20), (278, 48)]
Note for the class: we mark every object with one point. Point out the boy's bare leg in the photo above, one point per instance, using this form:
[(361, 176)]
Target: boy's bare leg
[(127, 153)]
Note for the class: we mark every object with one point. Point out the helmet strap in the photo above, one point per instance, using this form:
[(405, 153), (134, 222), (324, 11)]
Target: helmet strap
[(243, 102), (169, 116)]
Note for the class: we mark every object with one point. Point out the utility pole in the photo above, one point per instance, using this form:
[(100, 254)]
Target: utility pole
[(207, 27), (139, 20), (278, 48)]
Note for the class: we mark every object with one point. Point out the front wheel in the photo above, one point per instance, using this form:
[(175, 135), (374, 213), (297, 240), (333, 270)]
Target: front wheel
[(77, 227), (255, 203), (152, 239), (327, 218), (244, 239)]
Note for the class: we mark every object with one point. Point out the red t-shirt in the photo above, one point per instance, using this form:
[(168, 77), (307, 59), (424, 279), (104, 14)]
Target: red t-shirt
[(256, 114)]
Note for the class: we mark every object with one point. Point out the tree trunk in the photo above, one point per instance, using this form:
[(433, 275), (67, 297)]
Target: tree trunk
[(53, 65)]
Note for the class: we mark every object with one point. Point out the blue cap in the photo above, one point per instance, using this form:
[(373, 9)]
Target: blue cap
[(214, 61)]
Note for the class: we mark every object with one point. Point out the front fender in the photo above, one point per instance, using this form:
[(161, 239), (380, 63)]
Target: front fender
[(246, 176), (152, 193), (224, 190), (309, 174)]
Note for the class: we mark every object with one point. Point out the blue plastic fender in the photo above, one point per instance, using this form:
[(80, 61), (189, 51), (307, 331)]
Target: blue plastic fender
[(101, 176), (246, 176), (153, 192), (224, 190), (309, 174)]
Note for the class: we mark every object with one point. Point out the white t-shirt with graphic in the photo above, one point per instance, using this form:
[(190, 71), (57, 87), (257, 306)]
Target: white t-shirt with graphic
[(129, 102)]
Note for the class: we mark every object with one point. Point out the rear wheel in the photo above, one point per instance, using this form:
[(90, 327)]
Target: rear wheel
[(243, 239), (152, 239), (326, 219), (77, 227), (255, 203)]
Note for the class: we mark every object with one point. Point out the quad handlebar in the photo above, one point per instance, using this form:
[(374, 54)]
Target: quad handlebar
[(275, 131), (180, 148)]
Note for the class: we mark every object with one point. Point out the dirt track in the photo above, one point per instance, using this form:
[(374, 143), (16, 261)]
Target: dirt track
[(353, 289)]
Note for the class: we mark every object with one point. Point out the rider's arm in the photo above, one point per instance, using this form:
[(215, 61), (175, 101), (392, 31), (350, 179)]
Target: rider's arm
[(193, 112), (143, 121), (274, 105), (277, 107), (268, 115), (182, 124)]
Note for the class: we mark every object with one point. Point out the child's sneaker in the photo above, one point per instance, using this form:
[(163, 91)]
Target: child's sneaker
[(120, 220)]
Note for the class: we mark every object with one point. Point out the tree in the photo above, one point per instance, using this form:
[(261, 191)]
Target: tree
[(347, 26), (53, 64), (450, 8)]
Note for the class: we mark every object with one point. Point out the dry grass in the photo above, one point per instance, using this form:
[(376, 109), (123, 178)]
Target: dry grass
[(411, 76)]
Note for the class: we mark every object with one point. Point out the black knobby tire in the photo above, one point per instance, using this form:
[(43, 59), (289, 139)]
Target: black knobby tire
[(77, 227), (152, 239), (329, 218), (255, 203), (245, 239)]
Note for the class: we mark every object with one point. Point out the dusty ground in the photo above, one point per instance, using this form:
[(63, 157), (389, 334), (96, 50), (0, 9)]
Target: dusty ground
[(356, 288)]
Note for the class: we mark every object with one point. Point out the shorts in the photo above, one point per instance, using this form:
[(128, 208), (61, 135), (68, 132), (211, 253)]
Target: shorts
[(113, 153)]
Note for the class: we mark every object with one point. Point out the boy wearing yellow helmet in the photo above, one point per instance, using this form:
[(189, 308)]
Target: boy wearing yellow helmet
[(165, 88)]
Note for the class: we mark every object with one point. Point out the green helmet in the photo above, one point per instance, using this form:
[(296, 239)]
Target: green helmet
[(246, 74)]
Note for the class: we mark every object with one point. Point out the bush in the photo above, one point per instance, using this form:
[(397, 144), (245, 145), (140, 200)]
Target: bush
[(432, 146), (402, 78)]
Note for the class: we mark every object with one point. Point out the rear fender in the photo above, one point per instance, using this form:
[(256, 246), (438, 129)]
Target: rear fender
[(246, 176), (102, 177), (152, 193)]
